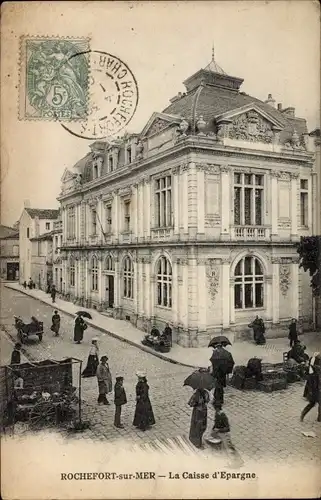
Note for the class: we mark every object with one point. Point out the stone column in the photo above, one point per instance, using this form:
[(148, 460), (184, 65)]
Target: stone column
[(295, 290), (175, 293), (183, 214), (147, 289), (101, 288), (147, 207), (275, 291), (232, 301), (134, 211), (141, 196), (117, 290), (116, 217), (274, 205), (176, 195), (192, 201), (225, 292), (294, 205), (310, 205), (225, 202), (200, 199), (202, 295)]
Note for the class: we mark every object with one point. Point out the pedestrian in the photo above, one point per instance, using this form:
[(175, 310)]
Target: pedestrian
[(55, 327), (293, 333), (144, 415), (222, 364), (258, 331), (168, 334), (311, 390), (53, 293), (30, 284), (79, 328), (24, 284), (198, 402), (120, 399), (104, 380), (93, 360), (16, 355)]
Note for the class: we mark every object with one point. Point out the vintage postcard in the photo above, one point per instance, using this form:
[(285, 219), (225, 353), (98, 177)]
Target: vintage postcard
[(160, 250)]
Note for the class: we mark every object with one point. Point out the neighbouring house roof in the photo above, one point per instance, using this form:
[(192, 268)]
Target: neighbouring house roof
[(43, 213), (7, 232), (44, 236)]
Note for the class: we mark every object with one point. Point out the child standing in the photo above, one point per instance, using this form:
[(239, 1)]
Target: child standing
[(119, 400)]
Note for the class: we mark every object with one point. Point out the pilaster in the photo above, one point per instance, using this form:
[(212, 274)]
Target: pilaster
[(275, 291), (116, 217), (183, 214), (295, 290), (202, 295), (192, 298), (175, 293), (274, 206), (294, 205), (201, 200), (192, 200), (176, 196), (147, 207), (225, 202), (225, 294)]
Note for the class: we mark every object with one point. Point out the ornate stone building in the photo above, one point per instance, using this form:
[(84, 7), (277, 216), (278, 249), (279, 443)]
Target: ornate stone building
[(193, 221)]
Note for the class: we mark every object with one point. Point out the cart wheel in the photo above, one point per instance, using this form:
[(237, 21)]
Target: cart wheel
[(42, 415), (40, 337)]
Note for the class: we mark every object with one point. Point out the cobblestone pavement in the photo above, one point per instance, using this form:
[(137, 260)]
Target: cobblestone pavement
[(263, 425)]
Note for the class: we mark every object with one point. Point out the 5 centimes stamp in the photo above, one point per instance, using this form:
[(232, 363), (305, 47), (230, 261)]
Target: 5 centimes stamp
[(53, 81), (112, 100)]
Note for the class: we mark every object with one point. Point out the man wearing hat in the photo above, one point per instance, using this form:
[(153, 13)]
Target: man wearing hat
[(120, 399), (104, 380)]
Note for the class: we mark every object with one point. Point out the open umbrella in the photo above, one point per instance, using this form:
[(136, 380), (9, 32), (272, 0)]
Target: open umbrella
[(200, 379), (222, 361), (85, 314), (220, 339)]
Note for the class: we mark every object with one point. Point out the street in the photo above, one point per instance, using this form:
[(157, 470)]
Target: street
[(262, 425)]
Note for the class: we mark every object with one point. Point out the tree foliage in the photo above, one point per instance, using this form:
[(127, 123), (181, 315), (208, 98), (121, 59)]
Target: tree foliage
[(309, 250)]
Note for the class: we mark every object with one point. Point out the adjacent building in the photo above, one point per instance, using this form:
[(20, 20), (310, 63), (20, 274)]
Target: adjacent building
[(33, 223), (194, 220), (42, 260), (9, 253), (56, 252)]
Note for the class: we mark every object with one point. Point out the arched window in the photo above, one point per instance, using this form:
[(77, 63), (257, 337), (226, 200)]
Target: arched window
[(109, 263), (128, 275), (72, 273), (94, 274), (164, 282), (248, 287)]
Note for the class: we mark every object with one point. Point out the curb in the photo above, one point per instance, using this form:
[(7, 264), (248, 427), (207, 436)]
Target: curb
[(104, 330)]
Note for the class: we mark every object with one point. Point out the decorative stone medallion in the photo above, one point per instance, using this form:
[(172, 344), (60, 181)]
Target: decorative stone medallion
[(285, 278)]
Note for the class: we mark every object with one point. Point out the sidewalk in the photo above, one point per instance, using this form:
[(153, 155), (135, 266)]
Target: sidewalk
[(191, 357)]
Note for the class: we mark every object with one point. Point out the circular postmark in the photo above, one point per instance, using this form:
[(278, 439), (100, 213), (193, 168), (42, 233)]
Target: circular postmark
[(112, 98)]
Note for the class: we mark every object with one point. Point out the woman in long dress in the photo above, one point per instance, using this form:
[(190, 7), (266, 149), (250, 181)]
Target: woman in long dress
[(93, 360), (105, 384), (79, 328), (311, 390), (144, 415), (198, 402), (55, 327)]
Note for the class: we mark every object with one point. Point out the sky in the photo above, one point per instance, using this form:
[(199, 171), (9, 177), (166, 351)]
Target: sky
[(273, 46)]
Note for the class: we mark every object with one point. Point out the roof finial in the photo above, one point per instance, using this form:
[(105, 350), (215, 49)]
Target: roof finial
[(213, 53)]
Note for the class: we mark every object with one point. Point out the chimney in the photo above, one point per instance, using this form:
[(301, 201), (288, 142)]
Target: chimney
[(280, 106), (270, 101), (289, 111), (26, 203)]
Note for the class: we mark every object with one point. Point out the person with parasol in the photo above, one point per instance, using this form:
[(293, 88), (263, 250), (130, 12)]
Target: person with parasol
[(201, 381), (222, 364), (80, 326)]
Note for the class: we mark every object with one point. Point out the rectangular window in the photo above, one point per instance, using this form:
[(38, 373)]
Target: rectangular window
[(71, 222), (163, 200), (129, 155), (248, 199), (93, 222), (72, 274), (127, 216), (56, 244), (108, 219), (28, 232), (111, 164), (47, 226), (304, 199)]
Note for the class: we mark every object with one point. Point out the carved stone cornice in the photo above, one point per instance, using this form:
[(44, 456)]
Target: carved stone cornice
[(285, 260), (294, 175), (208, 168), (182, 262), (176, 170), (225, 169), (185, 167), (125, 191)]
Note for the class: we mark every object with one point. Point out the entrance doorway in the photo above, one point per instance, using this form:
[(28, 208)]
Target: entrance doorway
[(12, 271), (110, 290)]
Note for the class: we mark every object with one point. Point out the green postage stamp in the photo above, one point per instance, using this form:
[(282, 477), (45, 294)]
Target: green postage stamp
[(54, 76)]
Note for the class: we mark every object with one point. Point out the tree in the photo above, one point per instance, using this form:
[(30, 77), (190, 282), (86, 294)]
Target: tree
[(309, 250)]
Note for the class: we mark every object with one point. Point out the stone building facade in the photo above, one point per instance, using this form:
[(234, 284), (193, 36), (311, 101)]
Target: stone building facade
[(9, 253), (194, 220)]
